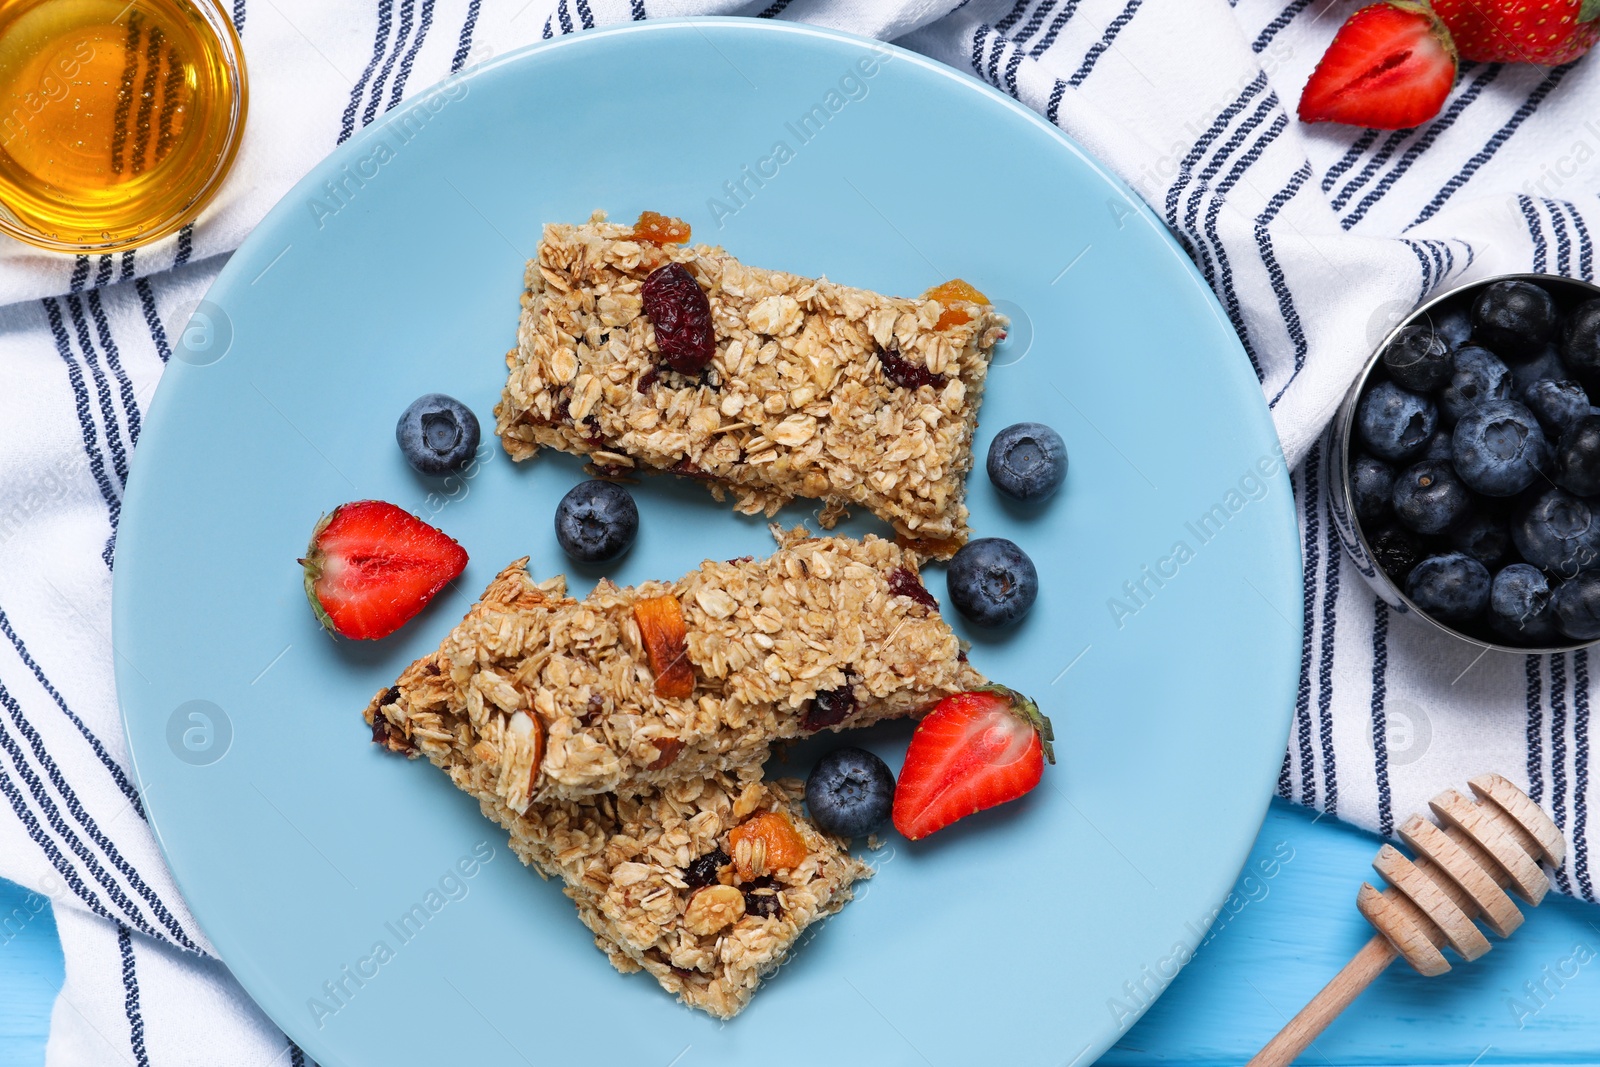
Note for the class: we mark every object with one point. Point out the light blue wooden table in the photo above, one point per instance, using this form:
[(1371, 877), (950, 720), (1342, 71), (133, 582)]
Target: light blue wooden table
[(30, 974), (1290, 924)]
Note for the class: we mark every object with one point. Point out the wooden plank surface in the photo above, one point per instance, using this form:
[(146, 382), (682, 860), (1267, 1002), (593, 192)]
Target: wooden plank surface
[(30, 974)]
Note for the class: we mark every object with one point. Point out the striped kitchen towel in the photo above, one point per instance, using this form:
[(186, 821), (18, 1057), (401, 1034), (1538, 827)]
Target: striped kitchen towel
[(1314, 239)]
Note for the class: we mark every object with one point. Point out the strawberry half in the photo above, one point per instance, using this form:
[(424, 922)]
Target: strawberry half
[(1547, 32), (975, 750), (372, 566), (1389, 67)]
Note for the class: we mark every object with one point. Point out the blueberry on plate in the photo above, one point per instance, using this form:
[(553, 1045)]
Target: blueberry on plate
[(1371, 486), (1027, 461), (1479, 377), (1546, 365), (438, 434), (1396, 549), (850, 792), (1556, 404), (1429, 498), (1499, 448), (1395, 423), (1514, 318), (1558, 533), (1453, 325), (1577, 607), (1577, 458), (1418, 359), (992, 582), (1453, 588), (1580, 339), (596, 521), (1484, 535), (1519, 605)]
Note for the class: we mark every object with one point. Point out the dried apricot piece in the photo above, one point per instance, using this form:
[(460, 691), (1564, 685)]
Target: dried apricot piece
[(766, 842), (659, 229), (948, 292), (666, 643)]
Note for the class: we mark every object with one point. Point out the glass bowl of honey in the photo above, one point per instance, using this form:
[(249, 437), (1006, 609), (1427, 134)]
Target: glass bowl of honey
[(118, 120)]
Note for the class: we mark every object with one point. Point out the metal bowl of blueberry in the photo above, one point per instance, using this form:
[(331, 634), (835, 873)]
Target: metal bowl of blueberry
[(1466, 464)]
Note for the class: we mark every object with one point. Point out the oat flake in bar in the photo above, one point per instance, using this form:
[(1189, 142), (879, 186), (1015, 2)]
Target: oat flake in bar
[(630, 689), (815, 390)]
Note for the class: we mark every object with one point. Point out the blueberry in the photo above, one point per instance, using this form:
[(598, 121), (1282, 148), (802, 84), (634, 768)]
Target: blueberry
[(1028, 461), (1479, 377), (992, 582), (1577, 607), (1514, 318), (1439, 446), (1547, 364), (1418, 359), (1371, 485), (1429, 498), (1558, 533), (1519, 605), (1580, 340), (1453, 588), (1577, 458), (1483, 535), (438, 434), (850, 792), (1499, 448), (1395, 423), (1454, 325), (596, 521), (1396, 549), (1556, 404)]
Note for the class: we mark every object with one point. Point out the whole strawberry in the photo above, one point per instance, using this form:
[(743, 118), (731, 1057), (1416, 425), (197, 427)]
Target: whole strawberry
[(1546, 32), (1390, 67), (975, 750)]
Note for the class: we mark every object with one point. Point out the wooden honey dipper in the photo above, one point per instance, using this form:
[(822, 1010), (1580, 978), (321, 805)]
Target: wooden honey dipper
[(1463, 867)]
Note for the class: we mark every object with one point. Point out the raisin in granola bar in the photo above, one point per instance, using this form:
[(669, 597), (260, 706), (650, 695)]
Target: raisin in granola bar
[(706, 883), (634, 688), (814, 390)]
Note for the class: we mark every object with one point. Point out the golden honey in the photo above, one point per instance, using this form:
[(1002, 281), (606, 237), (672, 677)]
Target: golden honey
[(118, 120)]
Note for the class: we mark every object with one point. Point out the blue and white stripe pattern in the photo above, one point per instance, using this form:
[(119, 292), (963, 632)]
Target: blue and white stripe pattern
[(1309, 236)]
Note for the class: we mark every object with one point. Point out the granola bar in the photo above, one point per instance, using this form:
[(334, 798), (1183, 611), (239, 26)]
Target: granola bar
[(634, 688), (815, 390), (679, 881)]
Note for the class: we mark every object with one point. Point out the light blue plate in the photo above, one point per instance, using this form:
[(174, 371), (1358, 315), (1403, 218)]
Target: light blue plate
[(1032, 934)]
